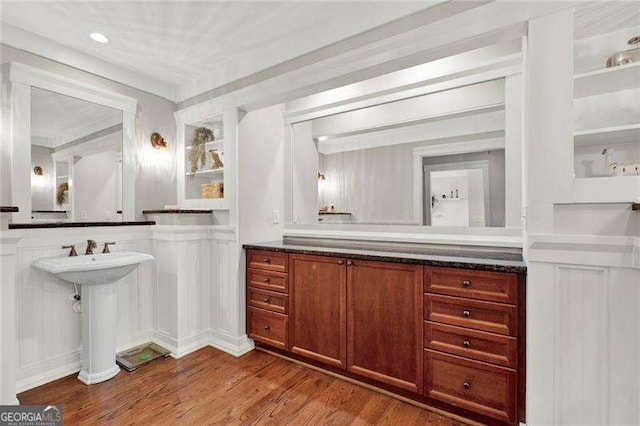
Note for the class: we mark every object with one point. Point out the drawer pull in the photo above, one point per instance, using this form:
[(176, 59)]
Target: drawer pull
[(466, 283), (266, 299), (266, 260), (267, 280), (466, 313), (267, 328), (341, 262), (466, 385), (466, 344), (349, 263)]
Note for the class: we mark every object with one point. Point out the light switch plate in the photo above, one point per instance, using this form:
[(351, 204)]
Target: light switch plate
[(83, 214), (276, 216)]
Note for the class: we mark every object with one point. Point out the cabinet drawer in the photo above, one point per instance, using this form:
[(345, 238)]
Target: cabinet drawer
[(268, 300), (268, 260), (482, 285), (268, 327), (488, 347), (472, 385), (268, 280), (485, 316)]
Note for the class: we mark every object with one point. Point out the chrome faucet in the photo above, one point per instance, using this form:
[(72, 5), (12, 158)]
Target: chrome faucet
[(73, 251), (91, 244), (106, 247)]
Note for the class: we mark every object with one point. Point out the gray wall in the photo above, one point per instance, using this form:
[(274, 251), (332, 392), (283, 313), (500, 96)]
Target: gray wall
[(156, 174)]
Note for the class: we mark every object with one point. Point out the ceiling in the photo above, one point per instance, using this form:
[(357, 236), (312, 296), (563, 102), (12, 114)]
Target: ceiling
[(201, 44), (57, 119)]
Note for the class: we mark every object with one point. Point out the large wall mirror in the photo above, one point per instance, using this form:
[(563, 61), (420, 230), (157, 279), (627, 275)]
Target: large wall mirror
[(436, 160), (73, 149), (76, 159)]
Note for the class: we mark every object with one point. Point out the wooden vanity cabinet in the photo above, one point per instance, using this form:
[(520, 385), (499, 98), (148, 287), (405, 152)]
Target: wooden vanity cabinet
[(318, 317), (384, 322), (448, 337)]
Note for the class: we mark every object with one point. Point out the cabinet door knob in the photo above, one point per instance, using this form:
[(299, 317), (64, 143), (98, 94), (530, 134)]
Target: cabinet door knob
[(266, 300), (349, 263), (267, 280), (267, 328), (466, 313), (466, 385), (466, 283), (466, 344), (341, 262), (266, 260)]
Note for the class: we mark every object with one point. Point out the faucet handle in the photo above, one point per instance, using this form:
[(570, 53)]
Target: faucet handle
[(73, 250), (106, 247), (91, 244)]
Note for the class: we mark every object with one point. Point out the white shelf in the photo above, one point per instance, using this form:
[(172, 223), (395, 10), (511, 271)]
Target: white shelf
[(607, 135), (62, 177), (206, 172), (212, 143), (606, 80)]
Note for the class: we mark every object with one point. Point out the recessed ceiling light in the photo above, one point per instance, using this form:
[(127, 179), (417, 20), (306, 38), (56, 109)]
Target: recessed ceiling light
[(100, 38)]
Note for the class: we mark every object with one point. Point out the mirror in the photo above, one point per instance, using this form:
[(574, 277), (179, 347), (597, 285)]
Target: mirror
[(76, 159), (432, 160)]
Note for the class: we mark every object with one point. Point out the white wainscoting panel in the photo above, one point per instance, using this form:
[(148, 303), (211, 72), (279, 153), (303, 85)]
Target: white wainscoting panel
[(583, 332)]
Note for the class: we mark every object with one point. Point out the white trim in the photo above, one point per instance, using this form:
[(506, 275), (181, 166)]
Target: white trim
[(585, 250), (31, 76), (441, 150), (236, 346), (41, 46)]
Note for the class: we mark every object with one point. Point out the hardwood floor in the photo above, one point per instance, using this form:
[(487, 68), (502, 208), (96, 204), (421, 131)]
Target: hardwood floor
[(209, 386)]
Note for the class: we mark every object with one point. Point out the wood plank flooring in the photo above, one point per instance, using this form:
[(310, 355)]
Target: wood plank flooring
[(212, 387)]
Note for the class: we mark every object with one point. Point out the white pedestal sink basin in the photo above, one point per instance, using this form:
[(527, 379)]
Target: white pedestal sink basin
[(97, 274)]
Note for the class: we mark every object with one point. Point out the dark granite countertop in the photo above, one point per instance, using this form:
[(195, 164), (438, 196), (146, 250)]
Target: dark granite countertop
[(177, 211), (48, 211), (447, 257), (8, 209), (76, 224)]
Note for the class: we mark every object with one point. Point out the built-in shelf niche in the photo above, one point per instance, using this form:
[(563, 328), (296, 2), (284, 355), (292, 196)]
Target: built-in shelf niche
[(606, 115), (195, 182)]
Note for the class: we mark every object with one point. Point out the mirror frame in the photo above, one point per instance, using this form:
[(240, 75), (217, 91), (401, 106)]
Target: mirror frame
[(18, 80)]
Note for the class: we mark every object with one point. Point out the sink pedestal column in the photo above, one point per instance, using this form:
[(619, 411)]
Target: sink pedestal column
[(98, 333)]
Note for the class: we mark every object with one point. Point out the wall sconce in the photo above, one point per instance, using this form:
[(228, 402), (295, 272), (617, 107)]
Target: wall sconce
[(37, 170), (320, 176), (158, 142)]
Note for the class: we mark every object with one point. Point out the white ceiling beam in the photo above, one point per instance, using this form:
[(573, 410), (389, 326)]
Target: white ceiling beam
[(438, 32)]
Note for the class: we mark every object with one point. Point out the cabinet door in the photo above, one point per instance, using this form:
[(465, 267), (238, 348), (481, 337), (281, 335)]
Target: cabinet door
[(384, 322), (318, 308)]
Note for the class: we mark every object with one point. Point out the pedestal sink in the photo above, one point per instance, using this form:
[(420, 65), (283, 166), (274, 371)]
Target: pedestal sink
[(97, 274)]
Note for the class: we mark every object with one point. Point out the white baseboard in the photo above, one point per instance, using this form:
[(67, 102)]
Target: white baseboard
[(182, 347), (236, 346), (51, 374), (47, 376)]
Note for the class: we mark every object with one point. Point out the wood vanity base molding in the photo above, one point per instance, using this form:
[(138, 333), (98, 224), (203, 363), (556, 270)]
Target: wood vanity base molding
[(449, 339)]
